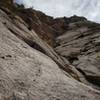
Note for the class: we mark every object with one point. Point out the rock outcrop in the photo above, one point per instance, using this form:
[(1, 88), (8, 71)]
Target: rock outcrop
[(45, 26), (33, 68), (81, 46), (27, 74)]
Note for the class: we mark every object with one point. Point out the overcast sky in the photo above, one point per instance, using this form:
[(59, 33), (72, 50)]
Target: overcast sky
[(59, 8)]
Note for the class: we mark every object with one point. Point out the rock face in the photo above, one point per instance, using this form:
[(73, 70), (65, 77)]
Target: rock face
[(27, 74), (74, 33), (45, 26), (81, 46), (31, 69)]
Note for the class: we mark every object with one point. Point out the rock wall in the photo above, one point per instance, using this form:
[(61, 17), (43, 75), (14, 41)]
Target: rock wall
[(81, 47), (33, 69), (27, 74)]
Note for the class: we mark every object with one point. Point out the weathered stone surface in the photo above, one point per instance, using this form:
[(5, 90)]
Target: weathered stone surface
[(27, 74), (30, 37), (30, 69), (81, 47)]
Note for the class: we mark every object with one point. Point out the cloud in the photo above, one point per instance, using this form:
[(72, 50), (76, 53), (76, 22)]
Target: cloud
[(58, 8)]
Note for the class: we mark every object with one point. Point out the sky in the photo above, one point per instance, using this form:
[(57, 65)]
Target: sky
[(59, 8)]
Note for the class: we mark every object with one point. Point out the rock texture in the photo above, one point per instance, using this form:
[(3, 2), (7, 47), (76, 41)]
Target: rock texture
[(81, 46), (20, 29), (33, 69), (45, 26)]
